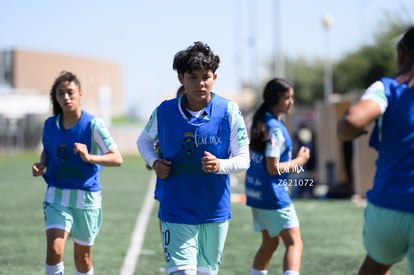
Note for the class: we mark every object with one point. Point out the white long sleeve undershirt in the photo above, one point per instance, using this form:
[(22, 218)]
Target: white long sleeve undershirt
[(239, 160)]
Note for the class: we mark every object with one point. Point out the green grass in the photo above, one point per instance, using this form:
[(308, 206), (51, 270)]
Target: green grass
[(331, 229)]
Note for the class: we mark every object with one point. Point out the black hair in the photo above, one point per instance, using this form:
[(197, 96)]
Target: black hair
[(64, 76), (406, 46), (406, 43), (272, 93), (180, 91), (196, 57)]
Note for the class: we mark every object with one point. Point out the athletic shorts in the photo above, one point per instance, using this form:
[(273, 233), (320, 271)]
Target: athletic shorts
[(389, 235), (193, 247), (274, 220), (83, 225)]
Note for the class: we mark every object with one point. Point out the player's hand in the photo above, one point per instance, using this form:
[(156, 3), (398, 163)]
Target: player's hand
[(303, 154), (210, 163), (162, 168), (82, 150), (38, 169)]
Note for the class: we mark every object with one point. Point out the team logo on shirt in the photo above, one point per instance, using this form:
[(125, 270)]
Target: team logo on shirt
[(63, 152), (188, 144)]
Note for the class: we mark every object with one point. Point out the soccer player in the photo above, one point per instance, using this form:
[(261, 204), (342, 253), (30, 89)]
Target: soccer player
[(202, 139), (76, 145), (388, 233), (267, 181)]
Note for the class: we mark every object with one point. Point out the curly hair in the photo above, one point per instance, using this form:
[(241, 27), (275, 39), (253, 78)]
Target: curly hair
[(196, 57)]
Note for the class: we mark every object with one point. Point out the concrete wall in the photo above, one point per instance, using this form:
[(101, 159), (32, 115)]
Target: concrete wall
[(330, 149), (38, 70)]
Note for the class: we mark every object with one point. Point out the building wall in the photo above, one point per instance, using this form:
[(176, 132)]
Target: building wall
[(99, 79)]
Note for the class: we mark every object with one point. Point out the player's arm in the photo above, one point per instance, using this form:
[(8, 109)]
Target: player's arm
[(275, 147), (354, 120), (104, 150), (239, 145), (146, 140), (145, 146), (275, 167), (38, 168), (111, 157)]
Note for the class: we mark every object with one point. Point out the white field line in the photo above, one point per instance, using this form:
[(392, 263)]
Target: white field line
[(134, 250)]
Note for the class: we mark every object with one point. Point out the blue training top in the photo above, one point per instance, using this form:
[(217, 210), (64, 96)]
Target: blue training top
[(263, 190), (65, 169), (189, 195), (393, 186)]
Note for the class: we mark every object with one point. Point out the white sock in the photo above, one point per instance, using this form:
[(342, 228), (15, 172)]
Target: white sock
[(257, 272), (90, 272), (291, 272), (55, 269)]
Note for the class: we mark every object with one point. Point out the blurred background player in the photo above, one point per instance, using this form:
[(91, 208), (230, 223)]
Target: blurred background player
[(267, 180), (388, 231)]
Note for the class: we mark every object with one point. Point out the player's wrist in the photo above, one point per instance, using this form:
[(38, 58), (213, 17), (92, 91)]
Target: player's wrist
[(154, 162)]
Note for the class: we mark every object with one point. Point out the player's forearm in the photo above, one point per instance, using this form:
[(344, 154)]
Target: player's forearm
[(43, 157), (145, 146), (237, 163), (112, 158), (347, 131)]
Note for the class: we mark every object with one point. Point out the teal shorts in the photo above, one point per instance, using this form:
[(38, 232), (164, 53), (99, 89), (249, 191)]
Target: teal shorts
[(389, 235), (193, 247), (274, 220), (83, 225)]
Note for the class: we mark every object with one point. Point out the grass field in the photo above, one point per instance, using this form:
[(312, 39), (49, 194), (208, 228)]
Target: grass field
[(331, 229)]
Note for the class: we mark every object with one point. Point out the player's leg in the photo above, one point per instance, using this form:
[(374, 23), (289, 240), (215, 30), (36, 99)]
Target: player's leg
[(58, 223), (211, 239), (265, 252), (83, 259), (180, 245), (386, 236), (265, 221), (293, 250), (56, 239), (292, 240), (369, 266), (86, 226), (55, 248)]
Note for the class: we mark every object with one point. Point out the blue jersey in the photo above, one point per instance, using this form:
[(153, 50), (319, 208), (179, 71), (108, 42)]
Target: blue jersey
[(393, 138), (65, 169), (263, 190), (189, 195)]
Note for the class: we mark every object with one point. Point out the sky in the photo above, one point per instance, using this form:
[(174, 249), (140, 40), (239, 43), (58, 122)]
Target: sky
[(142, 36)]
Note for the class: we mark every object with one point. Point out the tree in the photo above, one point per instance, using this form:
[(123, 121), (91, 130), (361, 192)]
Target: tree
[(353, 72), (307, 78), (370, 62)]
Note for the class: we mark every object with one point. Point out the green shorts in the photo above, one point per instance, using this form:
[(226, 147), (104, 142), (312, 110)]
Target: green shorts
[(83, 225), (274, 220), (193, 247), (389, 235)]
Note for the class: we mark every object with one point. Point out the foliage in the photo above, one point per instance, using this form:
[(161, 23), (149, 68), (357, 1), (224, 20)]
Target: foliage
[(362, 67), (307, 78), (355, 70)]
